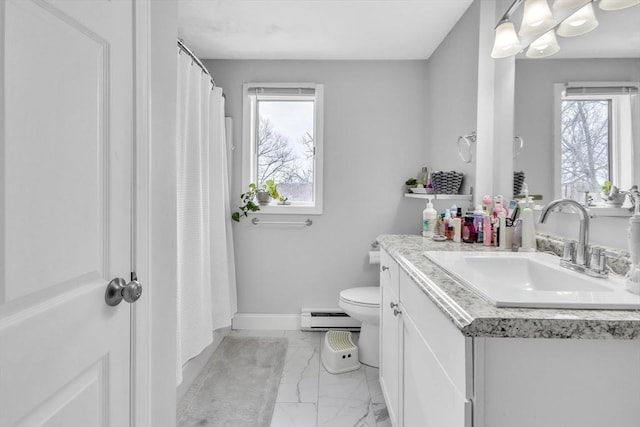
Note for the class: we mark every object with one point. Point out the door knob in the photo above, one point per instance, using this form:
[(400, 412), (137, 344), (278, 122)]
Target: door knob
[(396, 312), (385, 268), (118, 289), (393, 304)]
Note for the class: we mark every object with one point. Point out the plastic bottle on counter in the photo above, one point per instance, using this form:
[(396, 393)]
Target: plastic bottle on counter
[(429, 216), (457, 229), (498, 206), (446, 224), (502, 231), (528, 228), (487, 233), (468, 230), (477, 223)]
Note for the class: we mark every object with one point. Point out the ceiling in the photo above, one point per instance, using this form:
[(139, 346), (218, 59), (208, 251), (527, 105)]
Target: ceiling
[(317, 29)]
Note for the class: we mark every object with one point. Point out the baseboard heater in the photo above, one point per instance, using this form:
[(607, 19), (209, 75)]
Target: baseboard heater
[(325, 319)]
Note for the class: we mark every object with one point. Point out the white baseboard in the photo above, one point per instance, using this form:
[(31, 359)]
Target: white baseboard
[(266, 321)]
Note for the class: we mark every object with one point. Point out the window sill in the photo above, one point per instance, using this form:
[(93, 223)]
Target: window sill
[(290, 209)]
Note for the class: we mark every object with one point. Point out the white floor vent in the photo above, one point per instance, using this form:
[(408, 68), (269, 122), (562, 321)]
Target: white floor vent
[(324, 319)]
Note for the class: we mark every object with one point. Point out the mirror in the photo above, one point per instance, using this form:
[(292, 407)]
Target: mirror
[(610, 53)]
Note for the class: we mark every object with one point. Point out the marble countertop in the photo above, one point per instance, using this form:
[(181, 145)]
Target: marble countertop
[(475, 317)]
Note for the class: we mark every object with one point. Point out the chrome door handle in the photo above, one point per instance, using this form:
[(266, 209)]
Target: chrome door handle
[(118, 289), (393, 304), (396, 312)]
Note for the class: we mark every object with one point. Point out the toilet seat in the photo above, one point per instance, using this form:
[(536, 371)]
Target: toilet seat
[(368, 296)]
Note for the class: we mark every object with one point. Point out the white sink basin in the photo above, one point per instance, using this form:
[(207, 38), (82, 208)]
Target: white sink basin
[(533, 280)]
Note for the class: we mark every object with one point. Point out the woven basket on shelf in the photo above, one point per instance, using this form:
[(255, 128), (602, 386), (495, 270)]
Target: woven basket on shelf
[(446, 182), (518, 180)]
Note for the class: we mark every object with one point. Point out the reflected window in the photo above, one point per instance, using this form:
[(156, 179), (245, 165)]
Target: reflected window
[(585, 144), (596, 129)]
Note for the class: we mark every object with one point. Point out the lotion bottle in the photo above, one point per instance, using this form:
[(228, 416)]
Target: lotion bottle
[(429, 216)]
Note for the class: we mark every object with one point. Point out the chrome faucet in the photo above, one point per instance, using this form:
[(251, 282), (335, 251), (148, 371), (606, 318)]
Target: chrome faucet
[(579, 257)]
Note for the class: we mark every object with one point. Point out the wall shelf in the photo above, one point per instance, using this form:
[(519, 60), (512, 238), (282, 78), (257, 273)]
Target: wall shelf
[(439, 196)]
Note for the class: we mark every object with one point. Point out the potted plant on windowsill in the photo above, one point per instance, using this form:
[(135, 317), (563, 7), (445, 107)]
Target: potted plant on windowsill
[(263, 195), (272, 189), (248, 205)]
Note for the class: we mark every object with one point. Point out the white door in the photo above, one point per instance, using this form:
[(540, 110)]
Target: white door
[(65, 228)]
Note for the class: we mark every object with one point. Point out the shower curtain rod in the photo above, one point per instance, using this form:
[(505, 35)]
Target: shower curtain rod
[(195, 59)]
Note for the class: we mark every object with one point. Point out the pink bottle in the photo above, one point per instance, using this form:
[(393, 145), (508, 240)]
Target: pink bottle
[(486, 230)]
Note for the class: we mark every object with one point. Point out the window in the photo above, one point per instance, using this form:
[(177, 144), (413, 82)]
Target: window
[(585, 144), (282, 141), (595, 137)]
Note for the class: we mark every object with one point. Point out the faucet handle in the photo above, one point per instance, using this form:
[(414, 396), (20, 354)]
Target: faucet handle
[(598, 260), (569, 253)]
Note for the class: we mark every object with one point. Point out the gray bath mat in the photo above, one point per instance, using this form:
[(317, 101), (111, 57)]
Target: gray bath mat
[(238, 386)]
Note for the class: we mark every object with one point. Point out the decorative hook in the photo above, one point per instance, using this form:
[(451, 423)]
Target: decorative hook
[(519, 145), (468, 140)]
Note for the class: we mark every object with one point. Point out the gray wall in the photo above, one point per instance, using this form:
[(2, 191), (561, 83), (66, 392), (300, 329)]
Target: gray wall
[(374, 139), (452, 86), (534, 122)]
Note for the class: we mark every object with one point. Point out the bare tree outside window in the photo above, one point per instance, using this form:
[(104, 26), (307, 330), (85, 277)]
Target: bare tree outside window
[(286, 148), (585, 145)]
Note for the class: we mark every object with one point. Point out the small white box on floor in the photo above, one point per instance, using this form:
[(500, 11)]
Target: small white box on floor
[(339, 353)]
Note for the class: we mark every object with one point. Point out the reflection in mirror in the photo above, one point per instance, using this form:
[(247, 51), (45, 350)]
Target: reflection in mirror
[(610, 53), (594, 139)]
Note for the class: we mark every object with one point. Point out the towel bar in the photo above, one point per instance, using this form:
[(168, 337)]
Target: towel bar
[(256, 221)]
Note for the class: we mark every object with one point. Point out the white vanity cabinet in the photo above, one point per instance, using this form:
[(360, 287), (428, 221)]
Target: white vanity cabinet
[(390, 331), (425, 362), (434, 376)]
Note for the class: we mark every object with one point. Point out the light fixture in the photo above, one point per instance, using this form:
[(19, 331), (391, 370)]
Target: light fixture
[(538, 21), (568, 5), (617, 4), (545, 45), (537, 18), (581, 22), (506, 42)]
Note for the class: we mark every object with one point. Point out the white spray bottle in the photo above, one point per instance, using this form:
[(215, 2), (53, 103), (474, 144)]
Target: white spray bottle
[(633, 277)]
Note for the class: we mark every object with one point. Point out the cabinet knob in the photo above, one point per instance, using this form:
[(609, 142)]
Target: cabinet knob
[(393, 304), (385, 268), (396, 312)]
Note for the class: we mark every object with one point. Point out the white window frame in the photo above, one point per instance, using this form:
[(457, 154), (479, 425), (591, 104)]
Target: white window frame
[(621, 164), (249, 145)]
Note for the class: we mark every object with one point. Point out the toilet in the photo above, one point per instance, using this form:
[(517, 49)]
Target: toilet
[(364, 304)]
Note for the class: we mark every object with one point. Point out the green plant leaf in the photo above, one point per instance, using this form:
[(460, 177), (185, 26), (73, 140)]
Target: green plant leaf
[(235, 216)]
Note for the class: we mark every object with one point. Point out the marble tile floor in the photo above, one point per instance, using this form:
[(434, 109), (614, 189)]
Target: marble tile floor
[(309, 396)]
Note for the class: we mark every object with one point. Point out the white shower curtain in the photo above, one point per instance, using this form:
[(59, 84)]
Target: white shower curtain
[(206, 296)]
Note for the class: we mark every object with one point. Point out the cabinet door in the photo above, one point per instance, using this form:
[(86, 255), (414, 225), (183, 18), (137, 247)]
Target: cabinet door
[(390, 330), (429, 397)]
